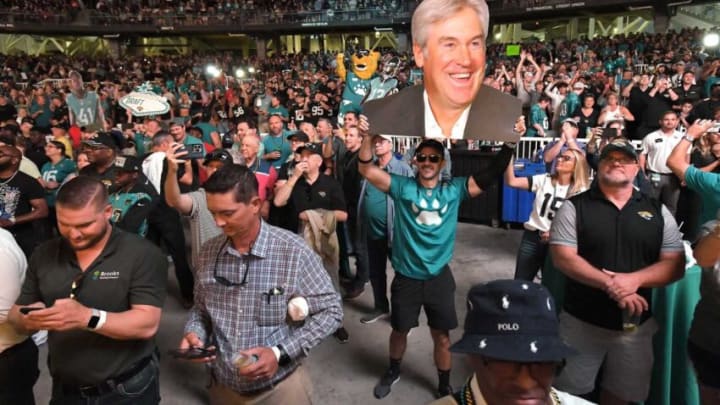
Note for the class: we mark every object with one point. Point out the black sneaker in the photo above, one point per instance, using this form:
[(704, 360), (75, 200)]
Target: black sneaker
[(342, 335), (444, 391), (383, 387), (374, 316)]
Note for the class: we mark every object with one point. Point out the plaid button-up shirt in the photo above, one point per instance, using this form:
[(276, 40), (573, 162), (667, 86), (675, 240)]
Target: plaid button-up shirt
[(241, 317)]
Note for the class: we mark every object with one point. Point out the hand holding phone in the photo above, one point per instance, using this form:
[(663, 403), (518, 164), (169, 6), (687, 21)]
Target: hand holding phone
[(27, 310), (192, 353)]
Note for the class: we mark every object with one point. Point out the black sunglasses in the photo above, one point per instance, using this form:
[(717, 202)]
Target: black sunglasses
[(224, 281), (421, 158), (76, 284)]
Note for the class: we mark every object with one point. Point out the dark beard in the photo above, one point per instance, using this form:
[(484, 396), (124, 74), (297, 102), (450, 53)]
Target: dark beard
[(6, 166)]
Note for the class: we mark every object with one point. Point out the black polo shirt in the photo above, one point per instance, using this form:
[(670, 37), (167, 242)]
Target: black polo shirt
[(620, 240), (692, 94), (129, 271), (324, 193), (107, 177)]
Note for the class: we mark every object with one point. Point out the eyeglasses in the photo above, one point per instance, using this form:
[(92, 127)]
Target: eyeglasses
[(224, 281), (76, 284), (421, 158), (565, 158), (624, 161), (512, 368)]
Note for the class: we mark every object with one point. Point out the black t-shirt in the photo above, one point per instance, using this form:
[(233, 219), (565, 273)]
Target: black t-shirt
[(586, 121), (656, 107), (705, 109), (36, 153), (693, 94), (699, 160), (60, 114), (107, 177), (129, 271), (351, 178), (324, 193), (16, 192), (285, 217), (7, 112), (638, 101)]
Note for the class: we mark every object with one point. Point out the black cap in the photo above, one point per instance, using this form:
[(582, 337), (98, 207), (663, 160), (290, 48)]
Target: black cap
[(127, 163), (218, 155), (101, 140), (619, 145), (430, 143), (299, 136), (315, 148), (512, 320), (27, 120)]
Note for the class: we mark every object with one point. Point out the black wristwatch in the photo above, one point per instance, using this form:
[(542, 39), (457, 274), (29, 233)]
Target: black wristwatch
[(284, 357)]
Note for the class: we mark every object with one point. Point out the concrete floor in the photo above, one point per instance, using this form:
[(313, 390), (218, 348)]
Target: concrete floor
[(346, 373)]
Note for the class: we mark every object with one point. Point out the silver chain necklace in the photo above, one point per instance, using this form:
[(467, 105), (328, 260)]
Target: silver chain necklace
[(10, 179)]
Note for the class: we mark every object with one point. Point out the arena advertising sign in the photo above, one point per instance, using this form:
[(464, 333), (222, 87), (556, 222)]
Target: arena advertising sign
[(143, 104)]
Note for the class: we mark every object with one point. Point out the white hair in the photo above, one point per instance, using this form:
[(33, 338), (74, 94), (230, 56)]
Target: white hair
[(432, 11)]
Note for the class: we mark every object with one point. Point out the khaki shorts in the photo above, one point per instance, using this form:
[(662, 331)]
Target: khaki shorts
[(628, 358)]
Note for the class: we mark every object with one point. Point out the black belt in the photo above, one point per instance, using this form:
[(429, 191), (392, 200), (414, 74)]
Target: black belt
[(662, 174), (108, 385)]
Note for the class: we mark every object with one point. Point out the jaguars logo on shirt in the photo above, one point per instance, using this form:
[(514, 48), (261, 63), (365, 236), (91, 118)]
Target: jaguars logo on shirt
[(429, 213)]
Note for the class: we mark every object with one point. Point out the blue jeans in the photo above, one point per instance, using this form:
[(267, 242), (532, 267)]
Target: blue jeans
[(531, 256), (141, 389)]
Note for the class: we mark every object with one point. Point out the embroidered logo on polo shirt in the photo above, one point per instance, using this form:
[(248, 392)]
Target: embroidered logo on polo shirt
[(646, 215), (105, 275)]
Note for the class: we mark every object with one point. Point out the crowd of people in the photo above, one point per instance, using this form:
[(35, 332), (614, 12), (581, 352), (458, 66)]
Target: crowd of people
[(47, 11), (290, 210)]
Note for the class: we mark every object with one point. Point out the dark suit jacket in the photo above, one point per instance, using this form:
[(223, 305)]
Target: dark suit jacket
[(404, 114)]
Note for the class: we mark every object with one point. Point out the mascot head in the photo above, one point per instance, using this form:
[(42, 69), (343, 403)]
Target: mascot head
[(365, 63)]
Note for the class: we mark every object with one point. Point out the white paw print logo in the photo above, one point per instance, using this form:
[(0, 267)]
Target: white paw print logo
[(483, 344), (525, 287), (505, 302), (432, 217), (533, 347)]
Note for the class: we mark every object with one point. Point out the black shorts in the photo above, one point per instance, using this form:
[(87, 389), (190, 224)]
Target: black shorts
[(706, 364), (436, 295)]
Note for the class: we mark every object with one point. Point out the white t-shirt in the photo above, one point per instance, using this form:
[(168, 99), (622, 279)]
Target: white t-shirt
[(12, 274), (657, 148), (152, 167), (432, 128), (548, 199)]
